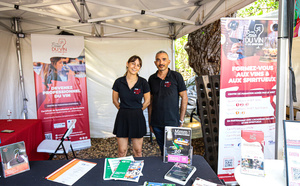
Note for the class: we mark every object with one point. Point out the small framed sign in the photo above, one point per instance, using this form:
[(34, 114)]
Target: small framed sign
[(14, 159), (292, 151)]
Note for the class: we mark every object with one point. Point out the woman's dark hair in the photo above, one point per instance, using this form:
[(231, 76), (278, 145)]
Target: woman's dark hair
[(48, 68), (54, 60), (133, 58)]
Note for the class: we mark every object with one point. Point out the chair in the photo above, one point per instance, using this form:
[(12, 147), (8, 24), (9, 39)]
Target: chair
[(62, 146)]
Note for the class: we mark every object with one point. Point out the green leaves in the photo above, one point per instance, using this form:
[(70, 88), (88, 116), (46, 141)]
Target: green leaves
[(182, 59), (258, 7)]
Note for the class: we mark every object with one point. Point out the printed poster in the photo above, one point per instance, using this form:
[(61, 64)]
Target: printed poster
[(292, 152), (247, 88), (14, 159), (60, 86), (177, 145), (297, 19)]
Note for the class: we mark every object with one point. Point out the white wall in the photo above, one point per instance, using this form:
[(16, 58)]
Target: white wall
[(105, 62)]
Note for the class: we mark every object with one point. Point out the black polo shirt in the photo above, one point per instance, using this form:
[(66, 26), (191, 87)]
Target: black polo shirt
[(165, 103), (131, 98)]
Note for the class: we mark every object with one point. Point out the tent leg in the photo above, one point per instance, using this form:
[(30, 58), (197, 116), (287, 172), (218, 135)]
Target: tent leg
[(16, 29), (281, 86)]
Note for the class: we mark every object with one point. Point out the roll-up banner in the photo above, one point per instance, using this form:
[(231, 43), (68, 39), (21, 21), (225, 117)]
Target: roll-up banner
[(60, 86), (297, 19), (247, 88)]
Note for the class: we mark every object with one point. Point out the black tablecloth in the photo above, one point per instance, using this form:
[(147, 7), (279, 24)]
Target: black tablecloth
[(154, 170)]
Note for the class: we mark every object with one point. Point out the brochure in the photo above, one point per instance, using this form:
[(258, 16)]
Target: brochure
[(201, 182), (121, 170), (71, 172), (114, 162), (252, 152), (177, 145), (134, 171), (107, 170), (14, 159), (180, 173), (147, 183)]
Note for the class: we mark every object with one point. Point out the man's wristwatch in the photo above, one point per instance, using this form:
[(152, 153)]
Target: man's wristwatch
[(181, 122)]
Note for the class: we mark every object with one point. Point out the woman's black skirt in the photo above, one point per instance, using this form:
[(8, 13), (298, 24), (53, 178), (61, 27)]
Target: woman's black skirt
[(130, 123)]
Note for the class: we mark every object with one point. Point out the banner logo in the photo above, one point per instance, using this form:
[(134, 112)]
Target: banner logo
[(59, 47), (253, 36)]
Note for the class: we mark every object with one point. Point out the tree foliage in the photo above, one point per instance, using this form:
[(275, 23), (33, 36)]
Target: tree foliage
[(258, 7), (182, 59)]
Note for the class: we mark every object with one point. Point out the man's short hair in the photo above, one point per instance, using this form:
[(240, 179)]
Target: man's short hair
[(162, 52)]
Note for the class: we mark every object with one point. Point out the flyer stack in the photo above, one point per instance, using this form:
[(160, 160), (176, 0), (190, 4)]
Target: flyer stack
[(126, 169)]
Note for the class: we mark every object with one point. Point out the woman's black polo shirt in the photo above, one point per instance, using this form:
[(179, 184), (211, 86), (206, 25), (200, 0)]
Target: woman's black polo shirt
[(165, 103), (131, 98)]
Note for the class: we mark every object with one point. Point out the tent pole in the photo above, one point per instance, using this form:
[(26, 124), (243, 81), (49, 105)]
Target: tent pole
[(173, 54), (16, 30), (292, 85), (282, 71)]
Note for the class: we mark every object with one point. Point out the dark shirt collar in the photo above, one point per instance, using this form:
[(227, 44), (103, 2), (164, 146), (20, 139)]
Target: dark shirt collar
[(168, 74), (123, 79)]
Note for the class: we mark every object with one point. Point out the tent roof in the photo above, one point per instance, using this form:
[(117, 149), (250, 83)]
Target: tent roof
[(114, 18)]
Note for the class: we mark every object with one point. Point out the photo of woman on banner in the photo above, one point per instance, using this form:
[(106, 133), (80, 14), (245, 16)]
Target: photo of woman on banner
[(53, 71), (61, 73)]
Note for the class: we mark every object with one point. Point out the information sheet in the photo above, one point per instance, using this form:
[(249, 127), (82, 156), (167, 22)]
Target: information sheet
[(71, 172)]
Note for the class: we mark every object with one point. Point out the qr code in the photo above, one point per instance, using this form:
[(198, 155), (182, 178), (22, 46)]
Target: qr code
[(296, 173), (48, 136), (228, 163)]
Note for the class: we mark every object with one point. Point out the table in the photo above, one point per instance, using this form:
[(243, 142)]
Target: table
[(274, 175), (154, 170), (30, 131)]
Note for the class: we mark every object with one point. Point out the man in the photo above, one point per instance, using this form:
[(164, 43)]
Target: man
[(166, 86)]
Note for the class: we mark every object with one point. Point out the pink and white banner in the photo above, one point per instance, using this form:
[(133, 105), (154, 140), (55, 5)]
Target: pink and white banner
[(297, 19), (60, 86), (247, 88)]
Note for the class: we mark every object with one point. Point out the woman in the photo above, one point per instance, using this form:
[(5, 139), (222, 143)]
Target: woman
[(51, 70), (130, 121)]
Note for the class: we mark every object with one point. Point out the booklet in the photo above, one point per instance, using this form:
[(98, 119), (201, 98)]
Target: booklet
[(107, 170), (14, 159), (201, 182), (180, 173), (252, 152), (148, 183), (177, 145), (114, 162), (134, 171), (121, 170), (71, 172)]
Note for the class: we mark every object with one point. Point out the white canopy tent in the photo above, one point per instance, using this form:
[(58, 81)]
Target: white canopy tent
[(113, 31), (112, 18)]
